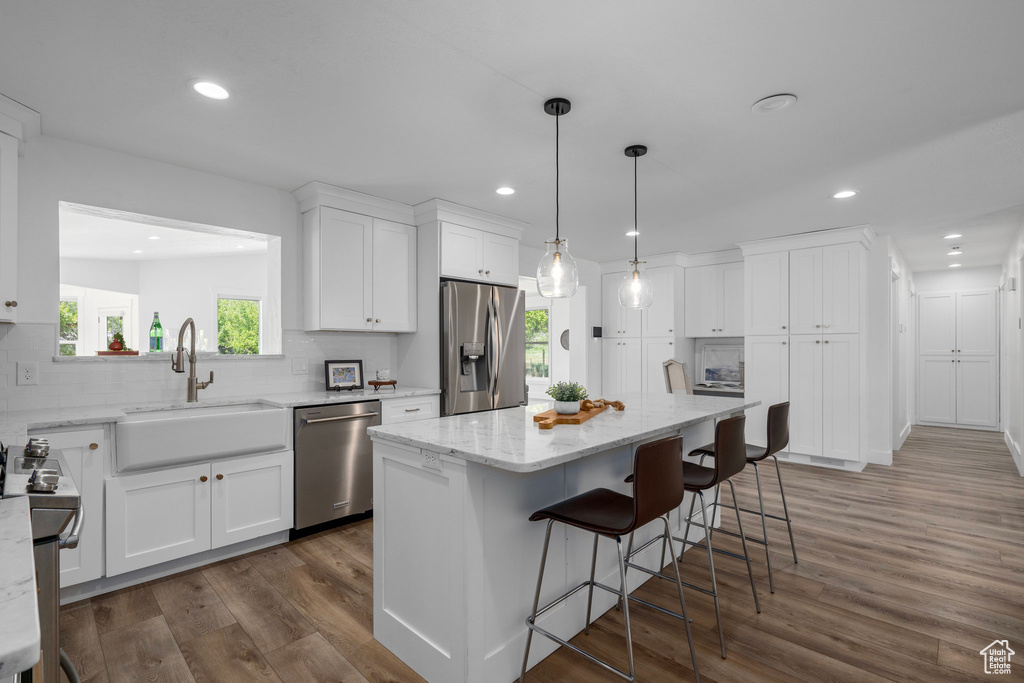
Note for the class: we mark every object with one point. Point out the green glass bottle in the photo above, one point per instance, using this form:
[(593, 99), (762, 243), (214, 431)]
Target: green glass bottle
[(156, 334)]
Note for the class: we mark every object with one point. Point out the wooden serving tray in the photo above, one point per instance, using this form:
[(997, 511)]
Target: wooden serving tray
[(549, 418), (117, 353)]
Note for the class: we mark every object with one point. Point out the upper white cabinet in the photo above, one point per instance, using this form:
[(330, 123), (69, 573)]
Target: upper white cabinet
[(8, 229), (714, 301), (659, 320), (360, 272), (617, 321), (622, 367), (766, 304), (824, 289), (474, 254)]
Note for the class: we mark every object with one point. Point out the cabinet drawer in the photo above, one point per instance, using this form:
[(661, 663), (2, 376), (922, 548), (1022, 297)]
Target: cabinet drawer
[(409, 409)]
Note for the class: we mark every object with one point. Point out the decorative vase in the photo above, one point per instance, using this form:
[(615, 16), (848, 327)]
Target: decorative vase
[(567, 407)]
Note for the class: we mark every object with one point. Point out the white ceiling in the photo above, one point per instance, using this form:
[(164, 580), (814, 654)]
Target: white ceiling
[(918, 104)]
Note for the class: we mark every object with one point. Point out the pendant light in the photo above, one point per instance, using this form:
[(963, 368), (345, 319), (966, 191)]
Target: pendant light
[(557, 275), (635, 290)]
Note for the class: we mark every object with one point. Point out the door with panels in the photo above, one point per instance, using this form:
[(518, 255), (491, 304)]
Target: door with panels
[(805, 394), (655, 353), (766, 378), (766, 304)]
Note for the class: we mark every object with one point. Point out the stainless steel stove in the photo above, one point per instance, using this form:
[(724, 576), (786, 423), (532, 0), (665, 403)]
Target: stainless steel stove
[(52, 512)]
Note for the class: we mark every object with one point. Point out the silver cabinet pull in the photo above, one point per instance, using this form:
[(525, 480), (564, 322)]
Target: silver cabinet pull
[(783, 343), (783, 327), (818, 326), (826, 326), (11, 304), (339, 418), (826, 341), (412, 410), (377, 320), (817, 341), (369, 320), (480, 272), (487, 272)]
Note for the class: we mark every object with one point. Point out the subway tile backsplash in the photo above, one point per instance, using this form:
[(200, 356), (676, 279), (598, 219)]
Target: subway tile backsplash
[(125, 382)]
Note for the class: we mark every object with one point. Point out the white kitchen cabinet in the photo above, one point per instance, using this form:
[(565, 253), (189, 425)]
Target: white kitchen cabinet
[(8, 229), (622, 366), (936, 323), (977, 391), (251, 497), (977, 323), (805, 291), (766, 379), (766, 304), (824, 390), (617, 321), (84, 451), (714, 301), (937, 389), (659, 320), (360, 272), (805, 394), (155, 517), (410, 409), (655, 352), (824, 289), (473, 254)]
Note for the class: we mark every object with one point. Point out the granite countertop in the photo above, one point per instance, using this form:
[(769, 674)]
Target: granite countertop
[(19, 613), (509, 439)]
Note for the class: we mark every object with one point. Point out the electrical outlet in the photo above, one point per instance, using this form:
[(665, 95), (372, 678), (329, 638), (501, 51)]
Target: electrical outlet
[(300, 366), (432, 461), (28, 372)]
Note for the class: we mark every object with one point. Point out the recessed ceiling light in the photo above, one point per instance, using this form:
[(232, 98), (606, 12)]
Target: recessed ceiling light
[(210, 89), (844, 194), (239, 246), (956, 252), (632, 233), (773, 103), (952, 237), (506, 190), (955, 265), (153, 237), (137, 251)]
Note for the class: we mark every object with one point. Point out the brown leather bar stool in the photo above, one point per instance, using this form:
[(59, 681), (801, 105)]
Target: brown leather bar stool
[(657, 489), (730, 461), (778, 438)]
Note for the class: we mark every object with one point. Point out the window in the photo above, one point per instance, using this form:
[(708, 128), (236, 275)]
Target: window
[(538, 354), (68, 328), (238, 326)]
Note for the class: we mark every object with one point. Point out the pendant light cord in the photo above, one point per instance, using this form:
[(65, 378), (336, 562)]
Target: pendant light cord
[(636, 229), (557, 204)]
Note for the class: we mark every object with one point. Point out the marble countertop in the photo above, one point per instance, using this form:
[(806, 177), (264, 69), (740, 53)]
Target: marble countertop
[(509, 439), (19, 613)]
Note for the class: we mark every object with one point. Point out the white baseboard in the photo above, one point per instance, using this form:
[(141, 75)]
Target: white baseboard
[(1015, 452), (997, 428), (817, 461), (903, 437), (876, 457)]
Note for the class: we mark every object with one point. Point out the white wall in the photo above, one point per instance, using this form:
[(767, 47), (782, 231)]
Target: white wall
[(903, 346), (958, 279), (877, 422), (1012, 347), (111, 275)]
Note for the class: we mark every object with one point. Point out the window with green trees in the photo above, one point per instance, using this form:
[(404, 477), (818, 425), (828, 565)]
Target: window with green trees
[(238, 326), (538, 351), (68, 328)]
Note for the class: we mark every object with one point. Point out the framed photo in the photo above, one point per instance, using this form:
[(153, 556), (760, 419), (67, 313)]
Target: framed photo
[(343, 374), (722, 365)]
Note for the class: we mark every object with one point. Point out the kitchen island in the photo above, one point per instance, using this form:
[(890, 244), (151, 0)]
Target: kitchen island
[(455, 558)]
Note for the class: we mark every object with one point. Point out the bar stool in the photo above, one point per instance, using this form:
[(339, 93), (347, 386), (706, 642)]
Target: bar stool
[(730, 461), (778, 438), (657, 489)]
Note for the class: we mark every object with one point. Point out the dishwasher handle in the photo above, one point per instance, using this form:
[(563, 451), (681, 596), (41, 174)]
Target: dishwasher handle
[(358, 416), (71, 540)]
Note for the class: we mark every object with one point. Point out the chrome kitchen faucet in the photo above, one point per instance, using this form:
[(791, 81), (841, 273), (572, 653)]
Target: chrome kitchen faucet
[(178, 363)]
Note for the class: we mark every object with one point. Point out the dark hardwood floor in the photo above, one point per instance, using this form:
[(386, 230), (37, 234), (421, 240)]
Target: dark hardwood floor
[(905, 574)]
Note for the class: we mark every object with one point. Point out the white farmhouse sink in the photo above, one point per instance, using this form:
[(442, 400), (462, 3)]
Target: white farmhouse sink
[(159, 438)]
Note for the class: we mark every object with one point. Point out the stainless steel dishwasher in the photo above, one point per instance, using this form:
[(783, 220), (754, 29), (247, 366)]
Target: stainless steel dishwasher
[(333, 461)]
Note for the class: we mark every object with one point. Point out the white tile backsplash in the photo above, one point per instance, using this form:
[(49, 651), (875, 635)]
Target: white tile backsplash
[(123, 382)]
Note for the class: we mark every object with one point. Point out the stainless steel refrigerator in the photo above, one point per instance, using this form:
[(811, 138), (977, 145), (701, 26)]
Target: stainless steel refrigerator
[(483, 347)]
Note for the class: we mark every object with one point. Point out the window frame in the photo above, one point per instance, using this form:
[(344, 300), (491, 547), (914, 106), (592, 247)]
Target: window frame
[(237, 295)]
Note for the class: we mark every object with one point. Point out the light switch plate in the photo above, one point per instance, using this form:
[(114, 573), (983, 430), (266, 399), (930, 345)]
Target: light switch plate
[(300, 366)]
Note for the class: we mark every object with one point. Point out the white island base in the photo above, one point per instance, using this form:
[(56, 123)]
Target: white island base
[(455, 557)]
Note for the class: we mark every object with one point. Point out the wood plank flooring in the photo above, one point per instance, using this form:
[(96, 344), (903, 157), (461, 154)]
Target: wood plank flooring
[(904, 574)]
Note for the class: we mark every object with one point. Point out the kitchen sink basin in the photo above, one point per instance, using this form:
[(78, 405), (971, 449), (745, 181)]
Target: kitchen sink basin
[(162, 437)]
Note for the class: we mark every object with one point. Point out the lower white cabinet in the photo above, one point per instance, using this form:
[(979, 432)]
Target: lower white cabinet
[(409, 409), (655, 353), (961, 390), (766, 379), (622, 367), (84, 452), (824, 395), (155, 517)]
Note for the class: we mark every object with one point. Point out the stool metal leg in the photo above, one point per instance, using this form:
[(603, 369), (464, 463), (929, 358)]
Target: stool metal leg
[(682, 601), (625, 606), (764, 528), (536, 601), (590, 595), (743, 540), (711, 566), (686, 531), (785, 510)]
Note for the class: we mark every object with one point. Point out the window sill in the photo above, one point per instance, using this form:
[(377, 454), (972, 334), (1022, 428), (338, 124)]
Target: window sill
[(165, 357)]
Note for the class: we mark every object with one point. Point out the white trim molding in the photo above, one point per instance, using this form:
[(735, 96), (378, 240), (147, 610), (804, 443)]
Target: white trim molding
[(443, 211), (863, 234), (314, 194)]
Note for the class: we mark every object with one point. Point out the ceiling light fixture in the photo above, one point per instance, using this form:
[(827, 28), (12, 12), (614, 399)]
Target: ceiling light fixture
[(956, 252), (557, 275), (506, 190), (153, 237), (632, 233), (844, 194), (773, 103), (952, 237), (211, 90), (137, 251), (635, 289), (955, 265)]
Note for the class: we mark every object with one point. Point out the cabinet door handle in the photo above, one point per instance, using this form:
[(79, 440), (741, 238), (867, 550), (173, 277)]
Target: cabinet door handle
[(487, 272), (480, 272), (826, 326), (219, 477), (11, 304), (93, 446), (377, 320), (369, 320), (783, 327), (412, 410), (817, 341), (202, 478), (670, 330), (818, 326), (958, 350), (826, 341), (783, 343)]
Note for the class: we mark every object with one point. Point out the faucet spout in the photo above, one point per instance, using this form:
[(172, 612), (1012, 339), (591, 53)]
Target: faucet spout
[(178, 361)]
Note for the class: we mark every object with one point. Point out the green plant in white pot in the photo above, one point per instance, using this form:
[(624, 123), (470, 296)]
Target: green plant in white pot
[(567, 397)]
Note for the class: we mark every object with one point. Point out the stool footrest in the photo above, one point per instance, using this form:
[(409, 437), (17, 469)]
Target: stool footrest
[(755, 512), (736, 535), (716, 550), (564, 597), (595, 660)]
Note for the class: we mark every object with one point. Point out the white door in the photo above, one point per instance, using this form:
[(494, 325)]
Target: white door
[(8, 229), (840, 375), (977, 391), (702, 301), (656, 352), (732, 300), (632, 366), (766, 282), (840, 295), (251, 497), (84, 452), (805, 291), (394, 277), (501, 259), (805, 394), (156, 517), (611, 367), (613, 321), (766, 379), (346, 256), (936, 313), (936, 395), (977, 327), (659, 319), (462, 252)]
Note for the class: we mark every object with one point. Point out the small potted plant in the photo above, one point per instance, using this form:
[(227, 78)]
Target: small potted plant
[(117, 343), (567, 397)]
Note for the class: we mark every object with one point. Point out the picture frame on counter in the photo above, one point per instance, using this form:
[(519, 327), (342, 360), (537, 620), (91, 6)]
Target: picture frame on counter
[(722, 365), (343, 374)]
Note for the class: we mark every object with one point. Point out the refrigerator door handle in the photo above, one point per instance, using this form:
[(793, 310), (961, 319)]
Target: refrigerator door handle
[(493, 347)]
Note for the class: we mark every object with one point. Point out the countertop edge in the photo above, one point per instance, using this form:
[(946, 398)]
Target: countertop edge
[(19, 613)]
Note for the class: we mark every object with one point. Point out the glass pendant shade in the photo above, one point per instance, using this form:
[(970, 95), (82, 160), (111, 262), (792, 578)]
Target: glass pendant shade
[(635, 289), (557, 274)]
